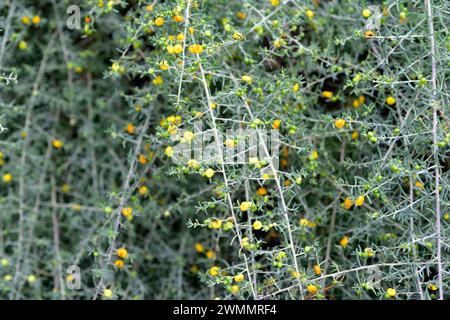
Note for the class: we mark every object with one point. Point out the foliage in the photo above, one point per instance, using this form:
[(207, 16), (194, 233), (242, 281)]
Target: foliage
[(357, 209)]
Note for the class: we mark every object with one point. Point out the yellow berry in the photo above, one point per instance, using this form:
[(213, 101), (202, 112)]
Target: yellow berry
[(361, 100), (344, 241), (209, 173), (391, 292), (314, 155), (245, 205), (170, 49), (214, 271), (420, 185), (247, 78), (327, 94), (158, 81), (317, 270), (229, 143), (432, 287), (210, 254), (312, 289), (22, 45), (177, 49), (178, 18), (78, 69), (4, 262), (238, 36), (164, 65), (122, 253), (26, 20), (234, 289), (192, 163), (7, 178), (253, 161), (369, 252), (194, 269), (31, 278), (169, 152), (196, 48), (216, 224), (159, 21), (366, 13), (359, 201), (188, 136), (265, 176), (304, 222), (390, 100)]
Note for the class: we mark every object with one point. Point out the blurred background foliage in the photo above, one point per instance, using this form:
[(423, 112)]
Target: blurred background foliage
[(87, 115)]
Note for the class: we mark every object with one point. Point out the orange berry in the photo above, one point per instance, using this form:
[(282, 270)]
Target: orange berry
[(36, 20), (348, 203), (119, 264), (178, 18), (262, 191), (130, 128)]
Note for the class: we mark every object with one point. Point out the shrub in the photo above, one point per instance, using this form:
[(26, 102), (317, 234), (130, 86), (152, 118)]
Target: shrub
[(354, 206)]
